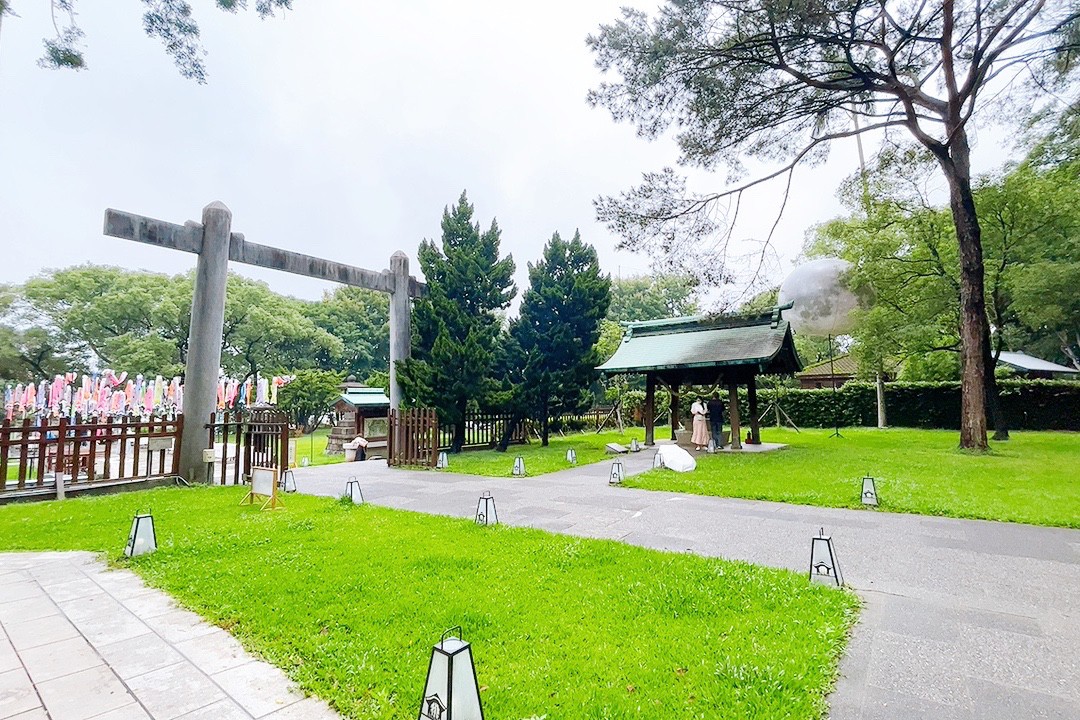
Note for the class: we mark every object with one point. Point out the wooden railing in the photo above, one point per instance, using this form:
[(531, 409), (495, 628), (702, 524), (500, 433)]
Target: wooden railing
[(484, 430), (245, 439), (87, 452), (413, 437)]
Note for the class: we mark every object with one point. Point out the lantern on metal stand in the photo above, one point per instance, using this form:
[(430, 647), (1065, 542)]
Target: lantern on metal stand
[(869, 491), (519, 466), (617, 473), (451, 691), (142, 539), (824, 566), (353, 491), (486, 514)]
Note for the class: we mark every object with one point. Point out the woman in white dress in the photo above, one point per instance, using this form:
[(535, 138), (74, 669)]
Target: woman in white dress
[(700, 437)]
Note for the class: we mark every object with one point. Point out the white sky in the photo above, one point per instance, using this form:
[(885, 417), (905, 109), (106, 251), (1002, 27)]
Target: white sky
[(340, 129)]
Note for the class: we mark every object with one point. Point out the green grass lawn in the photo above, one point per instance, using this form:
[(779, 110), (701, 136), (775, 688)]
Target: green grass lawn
[(540, 460), (349, 600), (1032, 478)]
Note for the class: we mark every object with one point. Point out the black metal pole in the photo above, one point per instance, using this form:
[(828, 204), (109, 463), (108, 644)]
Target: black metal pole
[(836, 400)]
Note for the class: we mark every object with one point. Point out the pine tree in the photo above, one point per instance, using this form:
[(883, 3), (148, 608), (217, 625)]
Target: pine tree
[(558, 328), (457, 324)]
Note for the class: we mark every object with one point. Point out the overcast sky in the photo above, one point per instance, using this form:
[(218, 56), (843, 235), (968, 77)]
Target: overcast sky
[(340, 129)]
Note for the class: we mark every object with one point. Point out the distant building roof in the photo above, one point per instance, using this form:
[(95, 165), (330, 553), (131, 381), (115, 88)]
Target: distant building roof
[(842, 365), (706, 342), (1026, 363), (365, 397)]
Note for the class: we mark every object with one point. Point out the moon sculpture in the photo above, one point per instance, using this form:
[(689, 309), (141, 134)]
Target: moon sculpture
[(821, 300)]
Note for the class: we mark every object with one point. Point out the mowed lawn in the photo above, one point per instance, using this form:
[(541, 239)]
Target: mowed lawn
[(349, 600), (539, 460), (1032, 478)]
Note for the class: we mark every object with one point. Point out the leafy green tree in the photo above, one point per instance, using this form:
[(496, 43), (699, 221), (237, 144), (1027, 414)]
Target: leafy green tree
[(308, 397), (780, 81), (170, 21), (652, 297), (558, 328), (361, 320), (457, 324)]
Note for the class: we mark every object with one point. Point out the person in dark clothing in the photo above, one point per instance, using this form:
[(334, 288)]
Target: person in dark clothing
[(715, 408)]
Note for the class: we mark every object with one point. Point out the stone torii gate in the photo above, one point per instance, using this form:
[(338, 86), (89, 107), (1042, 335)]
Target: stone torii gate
[(215, 244)]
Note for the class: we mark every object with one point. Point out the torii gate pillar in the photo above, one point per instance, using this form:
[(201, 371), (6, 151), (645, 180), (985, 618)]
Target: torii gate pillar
[(204, 337), (400, 322)]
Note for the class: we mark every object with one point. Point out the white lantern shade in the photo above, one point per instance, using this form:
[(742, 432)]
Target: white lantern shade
[(617, 473), (634, 445), (824, 567), (486, 513), (658, 460), (869, 491), (571, 456), (451, 691), (519, 466), (820, 298), (353, 491), (443, 461), (142, 539)]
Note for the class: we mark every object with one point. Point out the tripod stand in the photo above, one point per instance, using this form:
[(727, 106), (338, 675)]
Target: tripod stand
[(832, 381)]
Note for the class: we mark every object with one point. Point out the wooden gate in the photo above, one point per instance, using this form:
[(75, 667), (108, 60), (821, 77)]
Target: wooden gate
[(242, 440), (413, 437)]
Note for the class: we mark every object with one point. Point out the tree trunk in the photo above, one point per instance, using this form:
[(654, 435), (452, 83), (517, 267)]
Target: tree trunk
[(882, 420), (508, 432), (993, 397), (972, 295), (544, 426), (459, 432)]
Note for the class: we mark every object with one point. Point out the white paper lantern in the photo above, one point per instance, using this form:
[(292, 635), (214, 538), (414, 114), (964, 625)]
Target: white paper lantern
[(486, 513), (143, 538), (451, 691), (824, 566), (617, 473), (443, 461), (869, 491), (353, 491), (571, 456), (519, 466), (821, 301)]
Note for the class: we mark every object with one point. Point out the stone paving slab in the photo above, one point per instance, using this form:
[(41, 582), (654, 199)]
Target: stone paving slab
[(81, 642), (962, 618)]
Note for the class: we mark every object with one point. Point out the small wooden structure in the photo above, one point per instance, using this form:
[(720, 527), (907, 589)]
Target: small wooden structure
[(362, 411), (841, 370), (700, 350)]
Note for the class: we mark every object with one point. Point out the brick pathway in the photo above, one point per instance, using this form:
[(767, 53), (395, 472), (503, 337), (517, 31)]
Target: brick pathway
[(79, 642)]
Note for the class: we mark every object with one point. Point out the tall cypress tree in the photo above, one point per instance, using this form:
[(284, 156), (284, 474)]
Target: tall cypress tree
[(456, 324), (558, 328)]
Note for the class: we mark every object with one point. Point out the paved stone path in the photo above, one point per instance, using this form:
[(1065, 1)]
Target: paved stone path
[(80, 641), (963, 619)]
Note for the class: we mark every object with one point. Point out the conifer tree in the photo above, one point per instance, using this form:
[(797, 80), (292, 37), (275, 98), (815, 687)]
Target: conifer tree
[(558, 328), (457, 324)]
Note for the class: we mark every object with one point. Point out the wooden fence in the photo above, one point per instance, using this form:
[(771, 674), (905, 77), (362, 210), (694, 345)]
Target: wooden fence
[(413, 437), (242, 440), (484, 430), (87, 452)]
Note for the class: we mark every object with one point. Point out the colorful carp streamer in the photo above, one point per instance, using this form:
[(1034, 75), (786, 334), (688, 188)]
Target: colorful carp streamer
[(109, 395)]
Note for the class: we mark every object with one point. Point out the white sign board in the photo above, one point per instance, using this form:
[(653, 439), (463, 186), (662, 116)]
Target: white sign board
[(263, 485)]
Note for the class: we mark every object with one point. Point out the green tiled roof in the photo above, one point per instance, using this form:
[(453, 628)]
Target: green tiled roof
[(704, 342), (841, 365), (365, 397)]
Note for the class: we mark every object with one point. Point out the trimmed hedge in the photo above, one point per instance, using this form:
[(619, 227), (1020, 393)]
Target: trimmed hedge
[(1028, 405)]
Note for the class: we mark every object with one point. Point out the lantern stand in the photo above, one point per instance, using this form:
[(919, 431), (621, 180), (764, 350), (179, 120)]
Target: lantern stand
[(486, 513), (824, 565), (617, 473), (451, 691), (443, 462), (353, 491), (288, 478), (571, 456), (658, 460), (519, 466), (142, 539), (869, 491), (634, 446)]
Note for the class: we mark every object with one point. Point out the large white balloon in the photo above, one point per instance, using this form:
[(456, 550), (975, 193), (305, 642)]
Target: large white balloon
[(821, 300)]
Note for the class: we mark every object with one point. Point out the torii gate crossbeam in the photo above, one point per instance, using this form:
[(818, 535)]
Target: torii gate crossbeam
[(215, 244)]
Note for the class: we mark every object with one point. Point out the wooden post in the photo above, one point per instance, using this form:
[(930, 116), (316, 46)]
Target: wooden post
[(733, 415), (58, 469), (650, 409), (674, 390), (751, 396)]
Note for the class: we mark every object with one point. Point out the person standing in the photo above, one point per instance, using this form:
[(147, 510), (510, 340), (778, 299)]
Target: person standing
[(700, 437), (715, 409)]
